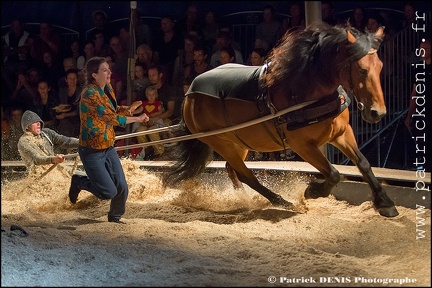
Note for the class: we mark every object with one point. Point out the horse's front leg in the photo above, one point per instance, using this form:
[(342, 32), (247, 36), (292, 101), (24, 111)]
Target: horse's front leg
[(315, 157), (348, 145)]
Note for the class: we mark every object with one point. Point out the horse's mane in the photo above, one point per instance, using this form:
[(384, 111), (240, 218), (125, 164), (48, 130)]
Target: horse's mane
[(306, 59)]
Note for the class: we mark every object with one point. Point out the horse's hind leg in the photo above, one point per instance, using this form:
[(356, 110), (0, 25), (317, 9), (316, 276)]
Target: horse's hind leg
[(348, 145), (232, 173), (238, 171)]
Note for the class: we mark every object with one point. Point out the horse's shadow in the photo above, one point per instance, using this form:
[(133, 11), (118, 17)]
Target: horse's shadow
[(179, 214)]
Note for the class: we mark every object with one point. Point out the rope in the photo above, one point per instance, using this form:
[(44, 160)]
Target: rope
[(201, 134)]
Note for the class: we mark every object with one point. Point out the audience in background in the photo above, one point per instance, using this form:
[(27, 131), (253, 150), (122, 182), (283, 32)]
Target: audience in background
[(30, 66)]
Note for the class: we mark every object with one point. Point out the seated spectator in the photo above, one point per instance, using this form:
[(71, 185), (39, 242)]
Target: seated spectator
[(224, 40), (257, 57), (209, 30), (100, 21), (16, 55), (26, 87), (51, 69), (143, 34), (44, 103), (185, 58), (227, 55), (139, 84), (89, 52), (152, 107), (11, 132), (269, 29), (327, 11), (199, 65), (168, 96), (120, 64), (47, 40), (145, 56), (116, 80), (101, 48), (68, 116), (68, 63), (358, 18), (296, 18), (37, 144), (75, 50), (167, 45)]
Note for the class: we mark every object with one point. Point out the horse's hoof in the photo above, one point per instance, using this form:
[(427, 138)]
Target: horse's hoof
[(280, 202), (315, 190), (388, 211)]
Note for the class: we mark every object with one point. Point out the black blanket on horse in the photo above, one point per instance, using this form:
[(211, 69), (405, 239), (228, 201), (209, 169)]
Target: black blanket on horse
[(235, 81)]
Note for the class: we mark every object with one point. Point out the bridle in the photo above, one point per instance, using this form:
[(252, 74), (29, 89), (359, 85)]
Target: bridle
[(360, 104)]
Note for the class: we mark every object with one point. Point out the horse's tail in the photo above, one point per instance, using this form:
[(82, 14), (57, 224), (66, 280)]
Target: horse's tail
[(193, 156)]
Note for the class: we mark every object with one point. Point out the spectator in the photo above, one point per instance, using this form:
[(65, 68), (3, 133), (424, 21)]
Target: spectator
[(167, 95), (227, 55), (210, 30), (120, 63), (37, 144), (296, 18), (374, 21), (26, 87), (100, 21), (359, 18), (139, 84), (152, 107), (145, 57), (409, 14), (116, 80), (125, 38), (51, 69), (68, 63), (327, 11), (191, 21), (167, 46), (75, 49), (143, 34), (89, 52), (224, 40), (47, 40), (68, 118), (44, 103), (269, 29), (184, 59), (16, 55), (11, 133), (200, 64), (101, 48), (257, 57)]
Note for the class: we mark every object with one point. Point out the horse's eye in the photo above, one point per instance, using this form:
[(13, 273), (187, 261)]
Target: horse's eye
[(363, 72)]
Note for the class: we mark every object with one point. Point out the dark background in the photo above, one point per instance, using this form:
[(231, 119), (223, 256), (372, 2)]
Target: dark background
[(76, 15)]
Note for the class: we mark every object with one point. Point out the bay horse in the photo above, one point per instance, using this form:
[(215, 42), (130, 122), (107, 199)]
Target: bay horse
[(312, 65)]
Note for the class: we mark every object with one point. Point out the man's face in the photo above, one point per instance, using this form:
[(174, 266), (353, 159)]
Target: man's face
[(35, 128), (199, 57), (153, 75)]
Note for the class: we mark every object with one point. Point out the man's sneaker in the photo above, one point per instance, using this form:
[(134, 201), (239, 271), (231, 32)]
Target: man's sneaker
[(74, 190)]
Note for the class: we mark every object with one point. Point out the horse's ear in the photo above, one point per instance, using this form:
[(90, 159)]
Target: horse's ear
[(380, 31), (351, 37)]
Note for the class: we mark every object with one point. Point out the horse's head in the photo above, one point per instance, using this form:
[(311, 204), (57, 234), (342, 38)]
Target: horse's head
[(364, 79)]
